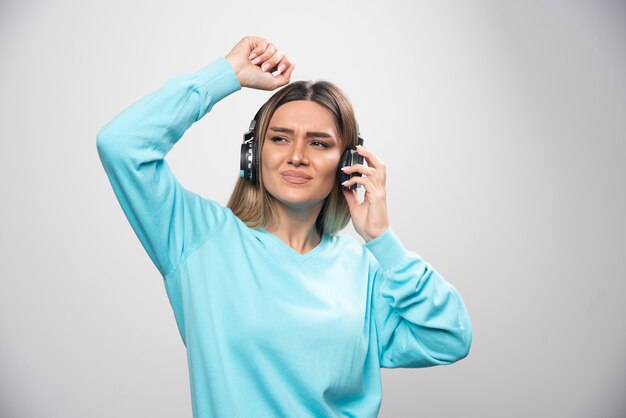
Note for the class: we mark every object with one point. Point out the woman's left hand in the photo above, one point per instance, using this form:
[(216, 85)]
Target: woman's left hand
[(369, 217)]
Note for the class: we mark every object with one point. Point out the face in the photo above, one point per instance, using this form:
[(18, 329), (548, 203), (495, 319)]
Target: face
[(301, 154)]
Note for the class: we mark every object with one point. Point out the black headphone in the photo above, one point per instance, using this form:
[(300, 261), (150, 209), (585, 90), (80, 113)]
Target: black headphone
[(249, 159)]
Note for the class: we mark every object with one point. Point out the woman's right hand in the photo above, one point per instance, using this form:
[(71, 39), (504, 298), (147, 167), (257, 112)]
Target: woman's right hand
[(254, 59)]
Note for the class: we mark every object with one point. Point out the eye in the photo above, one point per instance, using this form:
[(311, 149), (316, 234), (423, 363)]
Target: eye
[(277, 139), (319, 144)]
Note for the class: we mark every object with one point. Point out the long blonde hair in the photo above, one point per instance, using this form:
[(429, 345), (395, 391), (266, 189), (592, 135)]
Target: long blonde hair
[(252, 203)]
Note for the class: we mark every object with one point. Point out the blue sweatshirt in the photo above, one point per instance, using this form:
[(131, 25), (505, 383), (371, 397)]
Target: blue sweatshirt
[(270, 332)]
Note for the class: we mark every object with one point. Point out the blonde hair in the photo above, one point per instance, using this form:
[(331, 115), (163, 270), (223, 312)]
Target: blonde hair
[(252, 203)]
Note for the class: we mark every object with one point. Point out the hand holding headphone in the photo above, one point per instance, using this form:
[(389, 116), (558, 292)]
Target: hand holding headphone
[(369, 218)]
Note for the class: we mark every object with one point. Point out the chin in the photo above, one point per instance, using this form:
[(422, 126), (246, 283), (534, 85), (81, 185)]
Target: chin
[(298, 200), (296, 203)]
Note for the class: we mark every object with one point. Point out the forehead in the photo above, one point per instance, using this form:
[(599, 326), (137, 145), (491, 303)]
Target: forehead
[(304, 114)]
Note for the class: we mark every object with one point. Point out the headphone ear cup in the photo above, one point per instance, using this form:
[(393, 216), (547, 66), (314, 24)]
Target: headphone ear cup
[(349, 158), (357, 159), (244, 158), (346, 161), (255, 161), (248, 157)]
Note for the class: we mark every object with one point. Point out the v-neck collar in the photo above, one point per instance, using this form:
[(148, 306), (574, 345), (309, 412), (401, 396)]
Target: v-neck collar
[(285, 250)]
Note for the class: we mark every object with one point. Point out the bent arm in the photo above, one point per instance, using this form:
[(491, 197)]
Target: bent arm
[(420, 318), (168, 219)]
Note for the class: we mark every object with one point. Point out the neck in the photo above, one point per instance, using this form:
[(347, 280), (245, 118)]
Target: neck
[(296, 227)]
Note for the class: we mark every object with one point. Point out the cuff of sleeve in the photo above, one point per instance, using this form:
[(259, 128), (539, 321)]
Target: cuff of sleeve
[(387, 248), (219, 79)]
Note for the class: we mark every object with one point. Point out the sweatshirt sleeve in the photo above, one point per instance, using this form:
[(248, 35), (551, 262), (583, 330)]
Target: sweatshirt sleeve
[(168, 219), (420, 318)]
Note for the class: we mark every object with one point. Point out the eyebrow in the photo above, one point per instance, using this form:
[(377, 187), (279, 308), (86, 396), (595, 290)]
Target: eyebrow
[(308, 134)]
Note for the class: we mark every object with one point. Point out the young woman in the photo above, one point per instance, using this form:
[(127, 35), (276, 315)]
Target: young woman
[(280, 315)]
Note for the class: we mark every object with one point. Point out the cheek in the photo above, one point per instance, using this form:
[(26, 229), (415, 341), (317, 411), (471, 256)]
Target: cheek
[(268, 160), (330, 171), (331, 165)]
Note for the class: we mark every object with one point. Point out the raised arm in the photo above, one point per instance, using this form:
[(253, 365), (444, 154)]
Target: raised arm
[(168, 219), (420, 318), (132, 148)]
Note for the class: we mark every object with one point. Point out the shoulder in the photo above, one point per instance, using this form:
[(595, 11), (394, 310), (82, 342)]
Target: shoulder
[(214, 213)]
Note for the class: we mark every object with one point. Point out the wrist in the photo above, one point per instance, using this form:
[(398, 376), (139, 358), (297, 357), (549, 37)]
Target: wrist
[(387, 248), (236, 66), (373, 235)]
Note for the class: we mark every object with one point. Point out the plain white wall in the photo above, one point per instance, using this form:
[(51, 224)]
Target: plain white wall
[(501, 124)]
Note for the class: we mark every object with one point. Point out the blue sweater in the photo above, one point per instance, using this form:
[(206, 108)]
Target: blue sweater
[(270, 332)]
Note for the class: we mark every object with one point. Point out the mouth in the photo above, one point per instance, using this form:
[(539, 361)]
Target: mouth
[(295, 176)]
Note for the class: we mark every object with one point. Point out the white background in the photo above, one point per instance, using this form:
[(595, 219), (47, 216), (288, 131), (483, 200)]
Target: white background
[(502, 125)]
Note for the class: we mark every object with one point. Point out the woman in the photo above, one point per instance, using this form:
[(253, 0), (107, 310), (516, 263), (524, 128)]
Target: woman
[(280, 316)]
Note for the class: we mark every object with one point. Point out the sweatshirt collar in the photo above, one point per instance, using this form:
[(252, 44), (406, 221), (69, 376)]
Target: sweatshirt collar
[(284, 250)]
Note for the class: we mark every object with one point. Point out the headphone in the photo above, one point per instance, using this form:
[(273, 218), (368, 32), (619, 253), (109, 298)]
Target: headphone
[(249, 159)]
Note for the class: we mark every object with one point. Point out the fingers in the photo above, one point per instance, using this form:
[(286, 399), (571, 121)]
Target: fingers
[(259, 64), (359, 168), (272, 62), (278, 62), (372, 191), (267, 55), (372, 160), (289, 69), (271, 59), (260, 45), (284, 78), (256, 45), (375, 173), (362, 181)]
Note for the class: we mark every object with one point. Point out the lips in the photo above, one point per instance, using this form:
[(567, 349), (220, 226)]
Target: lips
[(294, 173), (295, 177)]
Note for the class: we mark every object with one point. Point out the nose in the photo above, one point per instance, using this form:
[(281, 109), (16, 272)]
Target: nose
[(297, 154)]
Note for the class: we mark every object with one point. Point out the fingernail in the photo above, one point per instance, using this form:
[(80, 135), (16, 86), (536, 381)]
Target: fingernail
[(281, 67), (344, 183), (252, 56), (256, 60), (344, 168), (265, 66)]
